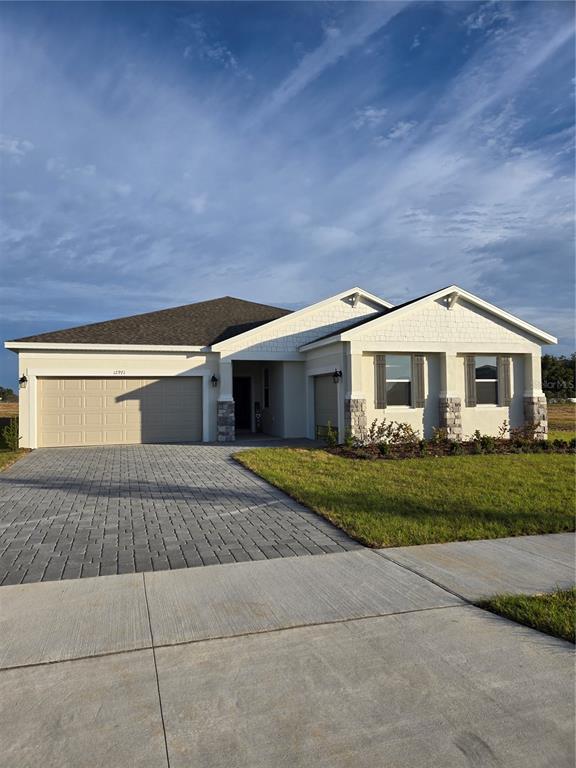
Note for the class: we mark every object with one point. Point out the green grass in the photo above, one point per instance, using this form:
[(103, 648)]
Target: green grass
[(562, 434), (554, 614), (9, 457), (421, 501)]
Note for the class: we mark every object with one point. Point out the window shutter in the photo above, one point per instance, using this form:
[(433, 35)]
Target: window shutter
[(380, 381), (470, 363), (504, 388), (418, 393)]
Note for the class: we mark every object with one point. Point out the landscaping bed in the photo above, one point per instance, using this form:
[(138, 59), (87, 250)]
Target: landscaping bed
[(554, 613), (427, 499)]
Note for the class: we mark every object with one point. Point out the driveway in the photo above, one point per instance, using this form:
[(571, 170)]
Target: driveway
[(67, 513)]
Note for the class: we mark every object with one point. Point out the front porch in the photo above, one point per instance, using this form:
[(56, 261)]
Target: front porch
[(276, 399)]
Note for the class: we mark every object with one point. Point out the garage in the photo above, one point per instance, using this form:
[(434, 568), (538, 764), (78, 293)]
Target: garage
[(325, 405), (109, 411)]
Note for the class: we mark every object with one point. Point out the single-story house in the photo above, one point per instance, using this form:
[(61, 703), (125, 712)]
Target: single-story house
[(215, 370)]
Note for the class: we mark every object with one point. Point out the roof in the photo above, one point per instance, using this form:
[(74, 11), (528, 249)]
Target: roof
[(200, 324)]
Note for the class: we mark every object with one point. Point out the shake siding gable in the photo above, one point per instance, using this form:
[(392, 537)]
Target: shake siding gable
[(289, 335), (434, 322)]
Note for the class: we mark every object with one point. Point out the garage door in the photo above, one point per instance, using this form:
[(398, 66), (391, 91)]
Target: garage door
[(325, 404), (107, 411)]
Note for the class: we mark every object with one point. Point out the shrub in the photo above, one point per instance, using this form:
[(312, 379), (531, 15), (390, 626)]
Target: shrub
[(439, 436), (488, 443), (331, 436), (384, 449), (11, 434)]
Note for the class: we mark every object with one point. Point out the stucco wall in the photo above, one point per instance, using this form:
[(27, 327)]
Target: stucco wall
[(33, 364), (294, 399), (422, 420), (486, 418), (273, 416)]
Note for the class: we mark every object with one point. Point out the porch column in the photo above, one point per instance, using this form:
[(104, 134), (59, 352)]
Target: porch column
[(226, 431), (535, 404), (354, 398), (450, 401)]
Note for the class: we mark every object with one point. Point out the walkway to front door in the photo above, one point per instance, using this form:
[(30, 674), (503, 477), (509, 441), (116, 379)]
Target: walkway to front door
[(74, 512)]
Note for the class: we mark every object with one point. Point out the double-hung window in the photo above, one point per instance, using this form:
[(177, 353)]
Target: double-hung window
[(399, 380), (486, 379)]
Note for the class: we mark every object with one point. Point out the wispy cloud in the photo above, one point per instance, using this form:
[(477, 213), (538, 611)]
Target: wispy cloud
[(398, 171), (332, 50)]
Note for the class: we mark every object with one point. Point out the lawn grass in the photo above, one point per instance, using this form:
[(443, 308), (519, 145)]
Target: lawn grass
[(562, 416), (8, 457), (562, 434), (8, 409), (554, 614), (421, 501)]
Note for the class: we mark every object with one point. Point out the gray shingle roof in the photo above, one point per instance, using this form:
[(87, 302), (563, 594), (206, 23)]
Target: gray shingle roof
[(200, 324)]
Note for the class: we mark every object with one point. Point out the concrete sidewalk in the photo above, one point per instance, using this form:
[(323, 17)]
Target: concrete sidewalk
[(337, 660), (478, 569)]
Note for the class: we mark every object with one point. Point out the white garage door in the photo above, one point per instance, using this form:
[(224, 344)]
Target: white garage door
[(75, 411), (325, 404)]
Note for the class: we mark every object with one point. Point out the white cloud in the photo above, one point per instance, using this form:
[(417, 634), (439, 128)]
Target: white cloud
[(415, 43), (206, 47), (400, 131), (369, 116), (14, 147), (333, 49)]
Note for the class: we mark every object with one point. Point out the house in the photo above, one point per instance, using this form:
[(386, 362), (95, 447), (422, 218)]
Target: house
[(217, 369)]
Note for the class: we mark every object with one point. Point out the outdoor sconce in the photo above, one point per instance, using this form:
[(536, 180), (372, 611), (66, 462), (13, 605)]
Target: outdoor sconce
[(336, 376), (22, 381), (214, 380)]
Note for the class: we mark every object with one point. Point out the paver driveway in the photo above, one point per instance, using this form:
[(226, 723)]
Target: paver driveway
[(75, 512)]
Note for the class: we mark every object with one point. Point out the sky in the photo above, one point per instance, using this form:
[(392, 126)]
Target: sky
[(156, 154)]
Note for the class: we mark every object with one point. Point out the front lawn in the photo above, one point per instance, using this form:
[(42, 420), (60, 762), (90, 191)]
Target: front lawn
[(9, 457), (426, 500), (554, 614), (561, 434)]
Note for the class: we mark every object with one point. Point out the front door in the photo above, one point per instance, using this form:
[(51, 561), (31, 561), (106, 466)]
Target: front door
[(242, 391)]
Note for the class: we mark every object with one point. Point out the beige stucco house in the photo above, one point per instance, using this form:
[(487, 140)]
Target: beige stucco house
[(214, 370)]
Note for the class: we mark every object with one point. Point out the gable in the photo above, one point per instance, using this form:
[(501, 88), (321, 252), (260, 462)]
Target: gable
[(434, 321), (289, 334)]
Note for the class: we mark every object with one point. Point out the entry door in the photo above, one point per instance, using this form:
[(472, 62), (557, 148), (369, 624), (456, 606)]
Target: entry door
[(242, 391), (325, 404)]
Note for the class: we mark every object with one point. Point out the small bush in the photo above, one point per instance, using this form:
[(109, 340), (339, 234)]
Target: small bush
[(384, 449), (11, 434), (331, 436)]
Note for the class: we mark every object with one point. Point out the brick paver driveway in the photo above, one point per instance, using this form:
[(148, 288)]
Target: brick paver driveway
[(74, 512)]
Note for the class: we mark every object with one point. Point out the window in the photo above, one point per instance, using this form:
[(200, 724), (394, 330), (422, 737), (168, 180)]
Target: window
[(266, 388), (486, 379), (398, 379)]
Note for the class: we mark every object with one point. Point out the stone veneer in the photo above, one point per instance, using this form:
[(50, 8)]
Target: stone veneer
[(355, 415), (536, 413), (451, 417), (225, 421)]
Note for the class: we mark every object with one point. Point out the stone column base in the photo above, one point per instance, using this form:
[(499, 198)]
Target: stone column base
[(354, 416), (451, 417), (225, 421), (536, 415)]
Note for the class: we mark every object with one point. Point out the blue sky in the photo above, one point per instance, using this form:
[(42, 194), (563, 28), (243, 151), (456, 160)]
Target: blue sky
[(156, 154)]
